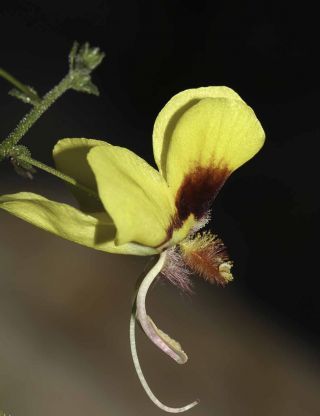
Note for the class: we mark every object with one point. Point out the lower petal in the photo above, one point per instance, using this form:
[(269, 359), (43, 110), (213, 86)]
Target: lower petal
[(95, 230)]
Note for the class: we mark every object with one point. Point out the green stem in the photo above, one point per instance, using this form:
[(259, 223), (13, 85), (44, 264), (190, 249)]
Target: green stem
[(19, 85), (15, 136), (57, 173)]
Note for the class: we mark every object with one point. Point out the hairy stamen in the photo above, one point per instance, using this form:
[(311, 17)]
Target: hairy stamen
[(176, 271), (206, 255)]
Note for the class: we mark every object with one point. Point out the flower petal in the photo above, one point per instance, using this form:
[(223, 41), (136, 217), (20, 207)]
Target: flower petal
[(210, 140), (70, 156), (173, 110), (68, 222), (134, 194)]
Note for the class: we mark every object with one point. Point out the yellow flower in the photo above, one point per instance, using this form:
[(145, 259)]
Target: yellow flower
[(200, 137)]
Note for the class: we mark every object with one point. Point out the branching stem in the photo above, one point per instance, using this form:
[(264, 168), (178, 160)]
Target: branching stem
[(34, 114), (82, 61)]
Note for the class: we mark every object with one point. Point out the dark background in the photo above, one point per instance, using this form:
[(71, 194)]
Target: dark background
[(268, 212)]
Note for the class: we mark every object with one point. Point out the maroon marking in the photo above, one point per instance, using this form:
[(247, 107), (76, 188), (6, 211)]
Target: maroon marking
[(197, 192), (196, 195)]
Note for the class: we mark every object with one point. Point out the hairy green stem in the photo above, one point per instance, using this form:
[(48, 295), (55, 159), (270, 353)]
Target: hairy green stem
[(27, 121), (57, 173)]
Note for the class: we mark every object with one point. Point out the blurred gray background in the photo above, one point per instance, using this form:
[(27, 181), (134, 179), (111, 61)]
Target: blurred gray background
[(64, 349)]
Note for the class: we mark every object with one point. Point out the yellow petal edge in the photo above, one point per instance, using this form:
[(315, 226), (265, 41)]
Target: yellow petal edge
[(173, 110), (134, 194), (69, 223), (70, 157), (215, 134)]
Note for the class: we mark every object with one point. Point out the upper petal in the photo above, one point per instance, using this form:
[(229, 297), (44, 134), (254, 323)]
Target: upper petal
[(171, 113), (67, 222), (135, 195), (210, 140), (70, 156)]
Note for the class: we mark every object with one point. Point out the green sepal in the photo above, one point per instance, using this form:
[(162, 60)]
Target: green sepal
[(30, 96), (82, 61), (21, 167), (85, 57), (84, 84)]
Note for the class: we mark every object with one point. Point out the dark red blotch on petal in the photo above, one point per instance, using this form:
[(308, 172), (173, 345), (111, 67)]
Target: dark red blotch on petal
[(198, 190)]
